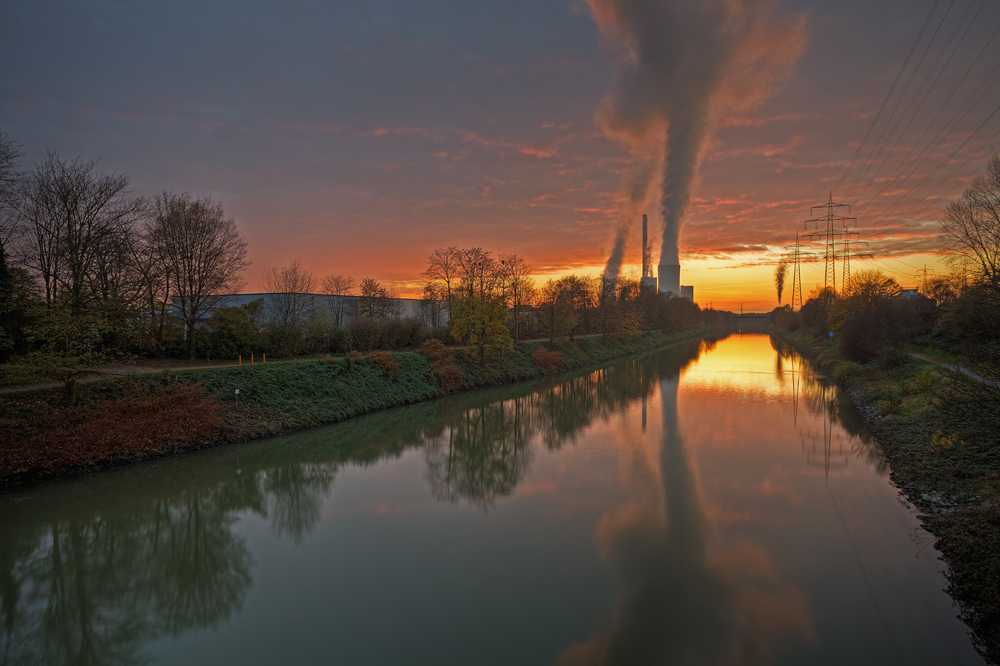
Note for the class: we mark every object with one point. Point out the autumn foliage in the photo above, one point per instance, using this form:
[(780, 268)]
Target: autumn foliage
[(383, 359), (547, 360), (442, 364), (145, 421)]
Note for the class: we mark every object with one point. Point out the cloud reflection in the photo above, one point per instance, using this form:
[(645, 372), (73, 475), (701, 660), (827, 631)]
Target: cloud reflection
[(683, 597)]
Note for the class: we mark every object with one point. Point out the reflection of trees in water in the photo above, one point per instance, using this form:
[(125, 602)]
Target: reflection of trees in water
[(482, 453), (822, 398), (91, 590), (294, 494), (683, 599), (89, 582)]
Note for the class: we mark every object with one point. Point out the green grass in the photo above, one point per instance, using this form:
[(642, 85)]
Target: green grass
[(281, 397)]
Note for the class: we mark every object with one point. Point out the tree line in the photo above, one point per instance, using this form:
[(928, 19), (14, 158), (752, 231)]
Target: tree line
[(491, 302), (90, 273), (960, 311)]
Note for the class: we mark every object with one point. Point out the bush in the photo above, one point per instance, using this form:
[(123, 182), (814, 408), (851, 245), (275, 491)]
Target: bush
[(847, 369), (384, 360), (234, 331), (144, 421), (547, 360), (368, 334), (442, 364), (973, 318), (887, 407), (883, 331)]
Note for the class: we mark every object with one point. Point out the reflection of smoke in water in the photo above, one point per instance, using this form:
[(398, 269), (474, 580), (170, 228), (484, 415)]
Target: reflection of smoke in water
[(682, 598), (680, 66)]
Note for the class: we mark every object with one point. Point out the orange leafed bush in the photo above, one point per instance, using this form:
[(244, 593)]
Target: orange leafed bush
[(447, 373), (142, 422), (355, 355), (383, 359), (435, 350), (547, 360)]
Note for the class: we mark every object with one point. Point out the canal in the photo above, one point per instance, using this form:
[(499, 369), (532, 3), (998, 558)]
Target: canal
[(713, 503)]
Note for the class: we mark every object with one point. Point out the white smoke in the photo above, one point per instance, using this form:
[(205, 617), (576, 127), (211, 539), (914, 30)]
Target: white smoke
[(637, 185), (681, 65)]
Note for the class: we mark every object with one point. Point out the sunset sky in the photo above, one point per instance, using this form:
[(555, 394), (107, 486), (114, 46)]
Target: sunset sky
[(359, 136)]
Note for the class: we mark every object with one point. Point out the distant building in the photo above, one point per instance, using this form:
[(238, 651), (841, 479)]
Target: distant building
[(909, 294), (433, 313), (687, 291)]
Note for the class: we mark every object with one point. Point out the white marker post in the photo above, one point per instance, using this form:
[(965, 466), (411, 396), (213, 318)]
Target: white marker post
[(237, 397)]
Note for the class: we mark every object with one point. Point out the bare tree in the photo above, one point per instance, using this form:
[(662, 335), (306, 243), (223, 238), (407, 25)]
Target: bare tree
[(74, 219), (203, 252), (337, 287), (289, 288), (520, 290), (443, 274), (10, 178), (155, 284), (432, 307), (971, 228), (377, 302)]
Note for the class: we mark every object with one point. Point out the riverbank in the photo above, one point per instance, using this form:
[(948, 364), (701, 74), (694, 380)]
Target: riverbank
[(135, 418), (939, 432)]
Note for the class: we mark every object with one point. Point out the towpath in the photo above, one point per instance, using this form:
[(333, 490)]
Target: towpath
[(959, 369)]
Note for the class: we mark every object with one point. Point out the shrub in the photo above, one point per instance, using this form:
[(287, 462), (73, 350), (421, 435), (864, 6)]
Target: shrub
[(941, 441), (882, 331), (847, 369), (920, 383), (448, 375), (364, 333), (547, 360), (143, 421), (384, 360), (972, 318), (351, 358), (887, 407), (442, 364), (368, 334)]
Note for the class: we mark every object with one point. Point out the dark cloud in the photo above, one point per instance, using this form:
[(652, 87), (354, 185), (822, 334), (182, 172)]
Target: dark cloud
[(359, 136)]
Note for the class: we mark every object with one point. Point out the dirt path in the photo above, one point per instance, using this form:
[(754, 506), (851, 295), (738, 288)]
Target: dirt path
[(959, 369), (133, 370)]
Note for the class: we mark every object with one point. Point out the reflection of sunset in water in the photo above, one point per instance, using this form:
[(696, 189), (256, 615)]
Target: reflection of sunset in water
[(685, 595), (712, 503)]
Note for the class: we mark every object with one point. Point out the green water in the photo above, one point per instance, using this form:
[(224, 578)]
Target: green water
[(706, 504)]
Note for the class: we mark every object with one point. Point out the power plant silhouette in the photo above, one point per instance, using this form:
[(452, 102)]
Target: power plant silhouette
[(669, 275)]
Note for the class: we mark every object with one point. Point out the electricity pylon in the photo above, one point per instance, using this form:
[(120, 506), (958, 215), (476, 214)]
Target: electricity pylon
[(849, 240), (796, 252), (830, 234), (924, 274)]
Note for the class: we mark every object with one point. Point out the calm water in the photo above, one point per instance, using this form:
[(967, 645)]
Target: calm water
[(708, 504)]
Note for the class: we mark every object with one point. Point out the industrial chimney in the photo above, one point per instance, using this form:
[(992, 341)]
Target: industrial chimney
[(647, 281)]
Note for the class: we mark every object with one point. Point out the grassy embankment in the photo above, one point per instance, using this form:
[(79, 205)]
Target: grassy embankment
[(127, 419), (940, 433)]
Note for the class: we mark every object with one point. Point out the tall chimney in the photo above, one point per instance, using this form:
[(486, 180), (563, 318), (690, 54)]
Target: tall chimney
[(647, 281), (646, 268)]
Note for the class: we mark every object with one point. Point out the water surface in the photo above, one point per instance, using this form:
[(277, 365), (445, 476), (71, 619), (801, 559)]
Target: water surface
[(712, 503)]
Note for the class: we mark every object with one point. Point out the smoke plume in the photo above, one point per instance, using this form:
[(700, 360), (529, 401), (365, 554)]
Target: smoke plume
[(637, 185), (680, 66), (779, 277)]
